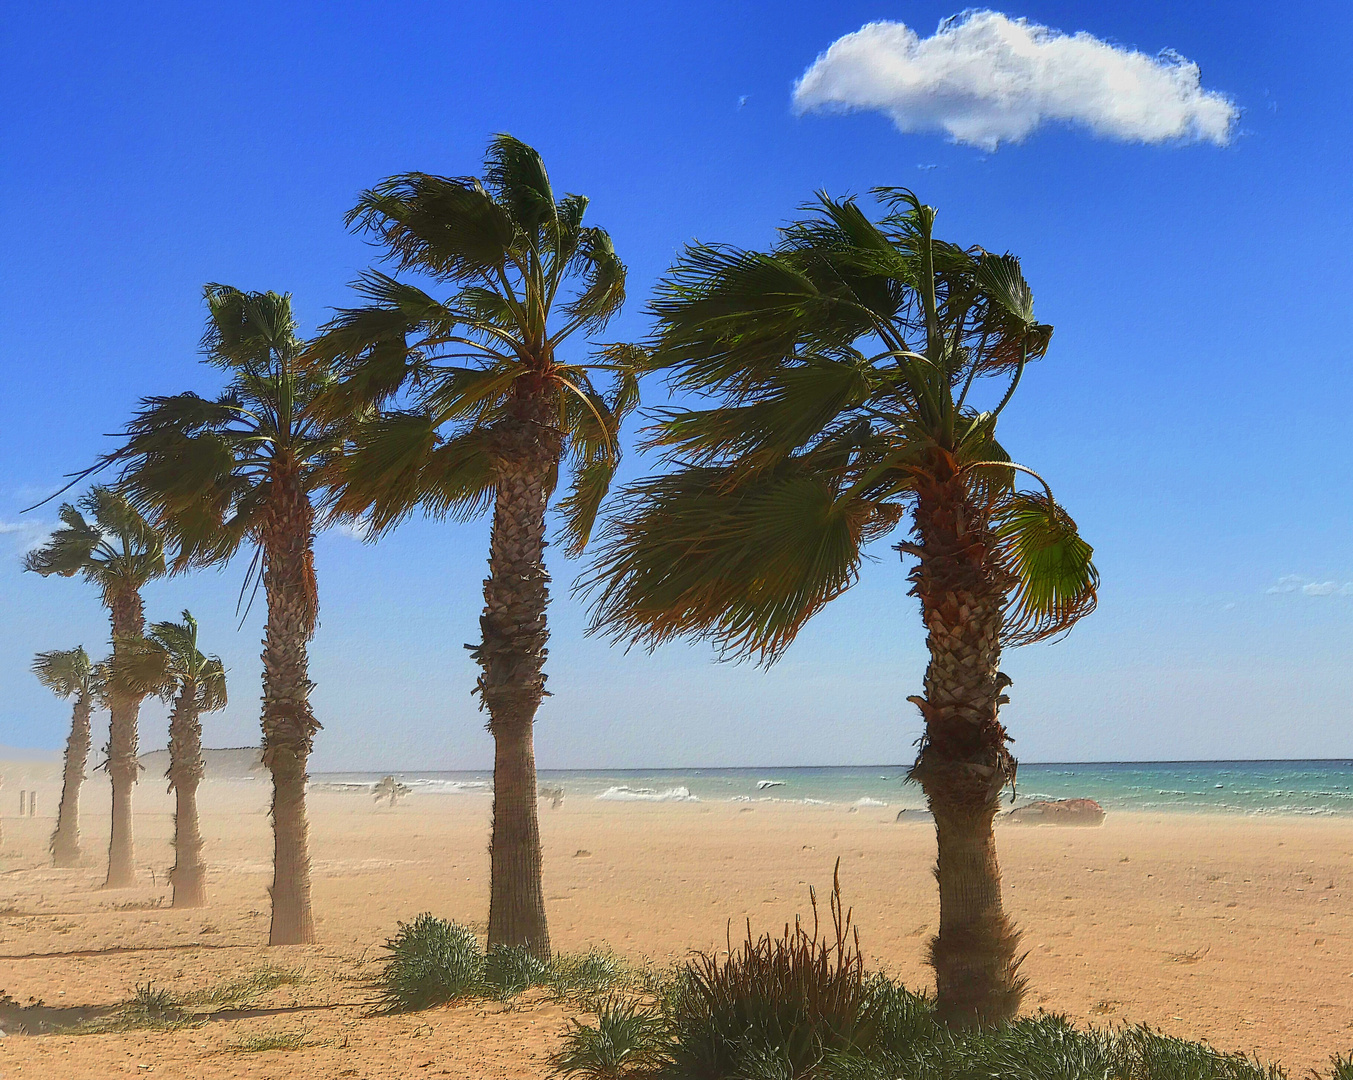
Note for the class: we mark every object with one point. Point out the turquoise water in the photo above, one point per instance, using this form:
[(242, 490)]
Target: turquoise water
[(1311, 788)]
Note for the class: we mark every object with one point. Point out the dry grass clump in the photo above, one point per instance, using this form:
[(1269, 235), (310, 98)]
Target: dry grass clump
[(149, 1009), (249, 988), (268, 1040)]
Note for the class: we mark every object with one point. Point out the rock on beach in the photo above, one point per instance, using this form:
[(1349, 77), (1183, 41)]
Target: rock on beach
[(1059, 812)]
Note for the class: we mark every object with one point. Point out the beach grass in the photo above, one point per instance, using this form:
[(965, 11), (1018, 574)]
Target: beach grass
[(432, 961)]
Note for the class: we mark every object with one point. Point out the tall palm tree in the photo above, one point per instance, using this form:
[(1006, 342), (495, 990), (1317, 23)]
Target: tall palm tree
[(69, 674), (168, 664), (845, 366), (242, 469), (480, 408), (119, 551)]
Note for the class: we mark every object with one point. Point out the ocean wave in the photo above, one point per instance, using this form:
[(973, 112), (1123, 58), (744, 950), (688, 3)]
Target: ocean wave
[(622, 793), (867, 801)]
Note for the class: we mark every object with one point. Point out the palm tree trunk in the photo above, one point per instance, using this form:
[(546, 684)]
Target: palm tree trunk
[(65, 845), (129, 622), (288, 725), (189, 876), (512, 683), (964, 762)]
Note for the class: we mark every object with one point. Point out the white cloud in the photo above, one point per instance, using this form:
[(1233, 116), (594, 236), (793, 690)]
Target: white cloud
[(987, 79), (356, 530), (1291, 583)]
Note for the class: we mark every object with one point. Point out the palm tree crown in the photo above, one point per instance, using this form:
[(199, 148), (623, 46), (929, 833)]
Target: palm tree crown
[(846, 364), (68, 673), (115, 548), (166, 661), (527, 276), (204, 469)]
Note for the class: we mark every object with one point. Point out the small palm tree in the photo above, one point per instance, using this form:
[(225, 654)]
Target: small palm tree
[(239, 470), (70, 675), (168, 664), (845, 366), (119, 551), (480, 408)]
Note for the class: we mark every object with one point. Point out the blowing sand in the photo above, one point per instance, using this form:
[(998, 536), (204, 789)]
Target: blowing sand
[(1234, 930)]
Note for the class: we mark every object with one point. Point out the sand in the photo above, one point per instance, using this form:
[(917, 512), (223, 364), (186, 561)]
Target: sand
[(1232, 929)]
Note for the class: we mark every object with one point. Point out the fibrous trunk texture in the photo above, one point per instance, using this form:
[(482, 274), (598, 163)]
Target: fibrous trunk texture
[(288, 725), (65, 844), (512, 683), (189, 876), (129, 622), (964, 762)]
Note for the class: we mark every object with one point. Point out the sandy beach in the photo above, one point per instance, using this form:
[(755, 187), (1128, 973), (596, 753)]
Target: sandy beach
[(1231, 929)]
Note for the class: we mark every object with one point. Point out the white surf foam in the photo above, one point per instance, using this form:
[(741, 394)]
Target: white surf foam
[(622, 793)]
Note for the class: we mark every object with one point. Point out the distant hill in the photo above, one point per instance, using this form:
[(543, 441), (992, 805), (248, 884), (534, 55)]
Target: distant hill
[(233, 763)]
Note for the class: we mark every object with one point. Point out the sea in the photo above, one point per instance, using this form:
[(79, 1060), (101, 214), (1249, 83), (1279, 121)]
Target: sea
[(1306, 788)]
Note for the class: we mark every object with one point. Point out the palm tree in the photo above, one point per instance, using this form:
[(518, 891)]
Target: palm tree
[(242, 468), (481, 409), (167, 664), (119, 551), (69, 674), (845, 365)]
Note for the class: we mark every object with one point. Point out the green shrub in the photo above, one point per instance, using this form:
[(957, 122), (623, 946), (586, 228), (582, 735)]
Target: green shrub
[(595, 972), (1151, 1055), (628, 1040), (431, 962), (1341, 1068), (776, 1006), (510, 969)]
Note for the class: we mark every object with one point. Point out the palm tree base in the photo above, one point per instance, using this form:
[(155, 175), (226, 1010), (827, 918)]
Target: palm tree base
[(190, 887)]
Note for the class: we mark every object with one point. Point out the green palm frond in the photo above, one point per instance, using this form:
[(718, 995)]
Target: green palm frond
[(515, 175), (211, 685), (166, 660), (695, 552), (1056, 580), (247, 329), (449, 227), (141, 667), (398, 462), (66, 673)]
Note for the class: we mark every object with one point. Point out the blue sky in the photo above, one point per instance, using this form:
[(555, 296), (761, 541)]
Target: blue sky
[(1192, 413)]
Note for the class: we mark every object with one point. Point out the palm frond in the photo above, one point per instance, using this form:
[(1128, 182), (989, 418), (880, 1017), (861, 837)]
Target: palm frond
[(451, 228), (692, 553), (579, 508), (515, 176), (211, 685), (141, 667), (66, 673), (247, 329), (1056, 579)]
